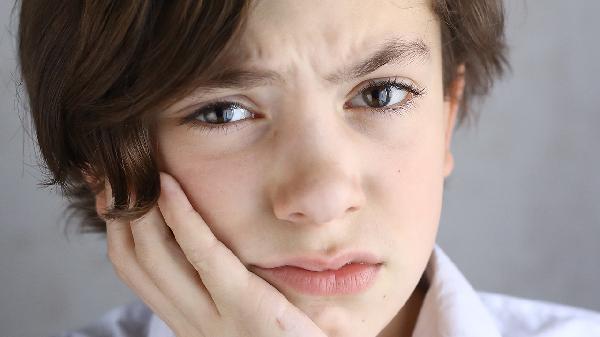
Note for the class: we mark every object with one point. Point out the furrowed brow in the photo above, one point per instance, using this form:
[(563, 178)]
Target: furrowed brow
[(240, 79), (392, 51)]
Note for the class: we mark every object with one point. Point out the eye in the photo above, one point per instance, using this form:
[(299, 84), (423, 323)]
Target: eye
[(224, 116), (218, 116), (383, 95)]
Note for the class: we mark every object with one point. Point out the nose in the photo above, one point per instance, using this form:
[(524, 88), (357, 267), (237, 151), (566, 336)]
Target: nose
[(318, 196), (321, 179)]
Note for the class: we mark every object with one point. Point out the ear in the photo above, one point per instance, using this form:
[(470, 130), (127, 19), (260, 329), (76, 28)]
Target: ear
[(451, 106)]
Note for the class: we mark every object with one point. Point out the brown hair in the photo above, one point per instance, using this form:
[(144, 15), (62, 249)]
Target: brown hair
[(97, 71)]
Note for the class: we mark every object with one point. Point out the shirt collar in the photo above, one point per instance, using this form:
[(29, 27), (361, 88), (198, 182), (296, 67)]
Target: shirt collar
[(451, 307)]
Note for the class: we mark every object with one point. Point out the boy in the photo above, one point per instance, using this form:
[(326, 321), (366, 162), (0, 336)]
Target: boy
[(271, 168)]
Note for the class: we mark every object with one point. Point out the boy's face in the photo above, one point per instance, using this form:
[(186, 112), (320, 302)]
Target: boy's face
[(316, 170)]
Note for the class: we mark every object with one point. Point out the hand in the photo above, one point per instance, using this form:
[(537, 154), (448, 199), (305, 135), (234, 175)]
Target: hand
[(192, 281)]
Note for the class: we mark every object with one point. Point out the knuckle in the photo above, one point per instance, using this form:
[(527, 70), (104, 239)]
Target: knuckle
[(281, 319), (263, 308), (149, 264), (202, 257), (118, 263), (120, 269), (115, 257)]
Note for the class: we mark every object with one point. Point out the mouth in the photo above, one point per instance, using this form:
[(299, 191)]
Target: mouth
[(323, 263), (351, 278), (345, 274)]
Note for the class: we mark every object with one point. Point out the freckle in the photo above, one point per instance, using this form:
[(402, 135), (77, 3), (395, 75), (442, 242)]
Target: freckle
[(362, 320), (384, 297)]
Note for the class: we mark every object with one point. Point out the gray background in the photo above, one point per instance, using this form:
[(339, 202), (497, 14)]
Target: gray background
[(521, 212)]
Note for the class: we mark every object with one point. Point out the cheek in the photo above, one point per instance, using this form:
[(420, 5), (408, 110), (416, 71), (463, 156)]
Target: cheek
[(411, 195), (409, 186), (411, 201), (223, 192), (415, 174), (418, 200)]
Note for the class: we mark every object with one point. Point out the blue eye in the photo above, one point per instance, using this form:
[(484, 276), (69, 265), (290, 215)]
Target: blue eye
[(222, 113), (384, 95), (219, 116)]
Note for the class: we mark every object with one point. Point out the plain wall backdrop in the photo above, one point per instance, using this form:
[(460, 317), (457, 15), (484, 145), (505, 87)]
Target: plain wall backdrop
[(521, 213)]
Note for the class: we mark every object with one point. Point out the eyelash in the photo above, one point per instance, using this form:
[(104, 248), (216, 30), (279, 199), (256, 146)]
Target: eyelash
[(225, 128)]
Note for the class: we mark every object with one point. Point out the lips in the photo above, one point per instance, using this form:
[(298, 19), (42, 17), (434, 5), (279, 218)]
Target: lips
[(345, 274), (323, 263), (350, 279)]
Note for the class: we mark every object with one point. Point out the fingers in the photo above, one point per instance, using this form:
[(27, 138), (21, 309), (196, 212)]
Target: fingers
[(223, 274), (167, 257), (122, 256), (160, 256), (193, 256)]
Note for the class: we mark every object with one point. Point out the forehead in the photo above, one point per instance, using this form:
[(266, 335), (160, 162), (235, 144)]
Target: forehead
[(281, 33)]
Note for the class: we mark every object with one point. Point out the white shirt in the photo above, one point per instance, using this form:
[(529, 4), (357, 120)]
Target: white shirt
[(452, 308)]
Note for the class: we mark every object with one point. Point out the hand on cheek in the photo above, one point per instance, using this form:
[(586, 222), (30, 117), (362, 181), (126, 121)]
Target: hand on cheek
[(193, 282)]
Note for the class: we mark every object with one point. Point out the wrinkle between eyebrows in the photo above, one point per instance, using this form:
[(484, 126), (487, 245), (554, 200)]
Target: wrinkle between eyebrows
[(398, 51)]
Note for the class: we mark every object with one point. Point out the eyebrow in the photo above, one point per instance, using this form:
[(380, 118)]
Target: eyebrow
[(392, 51), (396, 51)]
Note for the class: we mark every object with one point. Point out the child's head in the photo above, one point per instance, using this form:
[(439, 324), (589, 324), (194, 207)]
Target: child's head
[(311, 160)]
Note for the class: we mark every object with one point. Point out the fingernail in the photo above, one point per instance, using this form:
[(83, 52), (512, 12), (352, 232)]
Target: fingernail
[(108, 194), (164, 183)]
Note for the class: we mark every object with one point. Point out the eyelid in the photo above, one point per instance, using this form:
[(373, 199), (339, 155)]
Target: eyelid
[(194, 111), (413, 90), (229, 101), (353, 92), (239, 99), (382, 80)]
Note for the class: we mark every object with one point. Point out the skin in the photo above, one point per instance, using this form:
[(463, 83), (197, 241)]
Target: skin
[(307, 175)]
